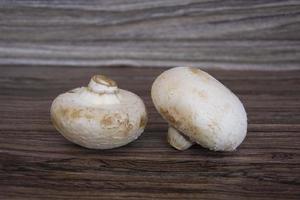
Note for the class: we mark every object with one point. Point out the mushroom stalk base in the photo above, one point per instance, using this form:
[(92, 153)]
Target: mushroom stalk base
[(177, 140)]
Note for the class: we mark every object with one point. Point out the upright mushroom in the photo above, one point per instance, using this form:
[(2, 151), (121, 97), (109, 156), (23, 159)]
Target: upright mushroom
[(199, 109), (100, 116)]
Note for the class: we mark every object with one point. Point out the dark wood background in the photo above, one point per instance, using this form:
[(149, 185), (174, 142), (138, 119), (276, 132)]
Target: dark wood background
[(49, 47), (248, 34), (36, 162)]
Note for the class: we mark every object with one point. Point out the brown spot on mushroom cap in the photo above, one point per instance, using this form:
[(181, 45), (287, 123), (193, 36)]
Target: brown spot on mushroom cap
[(101, 79), (200, 73), (181, 122), (72, 113), (174, 117), (168, 116), (75, 113), (194, 70), (64, 111), (117, 121), (107, 120), (88, 116), (111, 120), (61, 113), (143, 121)]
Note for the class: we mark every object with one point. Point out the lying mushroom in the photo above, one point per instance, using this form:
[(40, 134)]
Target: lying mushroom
[(99, 116), (199, 109)]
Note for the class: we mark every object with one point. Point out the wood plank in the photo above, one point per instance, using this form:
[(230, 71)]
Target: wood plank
[(207, 33), (36, 162)]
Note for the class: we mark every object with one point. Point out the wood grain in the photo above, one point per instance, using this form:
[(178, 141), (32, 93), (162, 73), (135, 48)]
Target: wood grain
[(209, 33), (36, 162)]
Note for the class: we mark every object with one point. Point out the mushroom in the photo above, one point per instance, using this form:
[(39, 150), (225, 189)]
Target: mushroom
[(100, 116), (199, 109)]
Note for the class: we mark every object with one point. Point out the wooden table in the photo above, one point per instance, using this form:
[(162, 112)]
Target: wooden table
[(36, 162), (248, 34)]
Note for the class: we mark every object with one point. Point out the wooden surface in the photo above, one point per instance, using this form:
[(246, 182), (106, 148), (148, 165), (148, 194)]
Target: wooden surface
[(36, 162), (252, 34)]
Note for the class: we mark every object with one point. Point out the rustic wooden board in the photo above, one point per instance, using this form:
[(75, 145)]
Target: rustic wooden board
[(36, 162), (237, 34)]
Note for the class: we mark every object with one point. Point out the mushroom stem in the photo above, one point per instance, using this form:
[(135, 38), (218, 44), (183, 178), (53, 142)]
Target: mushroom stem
[(102, 85), (177, 140)]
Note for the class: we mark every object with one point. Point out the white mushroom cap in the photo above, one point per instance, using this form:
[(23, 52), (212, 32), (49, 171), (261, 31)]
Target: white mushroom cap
[(199, 109), (99, 116)]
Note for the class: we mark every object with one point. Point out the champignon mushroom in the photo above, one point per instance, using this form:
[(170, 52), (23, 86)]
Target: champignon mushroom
[(100, 116), (199, 109)]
